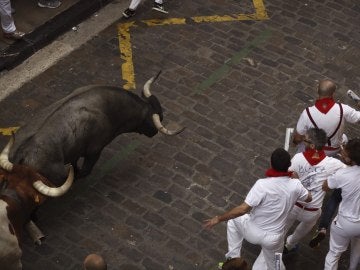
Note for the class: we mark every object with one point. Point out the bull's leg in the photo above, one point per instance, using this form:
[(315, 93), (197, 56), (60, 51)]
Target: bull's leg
[(89, 162), (36, 235)]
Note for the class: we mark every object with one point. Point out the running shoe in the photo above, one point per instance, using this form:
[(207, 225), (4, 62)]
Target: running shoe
[(318, 237), (128, 13), (159, 7), (49, 3)]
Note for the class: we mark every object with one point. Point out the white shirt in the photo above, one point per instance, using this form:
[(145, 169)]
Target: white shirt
[(272, 199), (312, 177), (348, 180), (328, 121)]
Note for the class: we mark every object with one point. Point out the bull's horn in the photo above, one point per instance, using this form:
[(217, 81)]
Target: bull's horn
[(4, 156), (162, 129), (146, 90), (57, 191)]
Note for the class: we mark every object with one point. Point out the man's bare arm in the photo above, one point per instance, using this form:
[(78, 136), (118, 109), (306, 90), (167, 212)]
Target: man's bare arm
[(240, 210), (309, 197)]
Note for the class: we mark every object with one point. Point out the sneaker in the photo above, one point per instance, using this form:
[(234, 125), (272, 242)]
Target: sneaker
[(318, 237), (160, 8), (353, 96), (49, 3), (292, 250), (128, 13), (16, 35)]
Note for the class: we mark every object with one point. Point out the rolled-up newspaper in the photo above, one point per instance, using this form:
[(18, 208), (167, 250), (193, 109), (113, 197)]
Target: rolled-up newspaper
[(288, 133), (352, 95)]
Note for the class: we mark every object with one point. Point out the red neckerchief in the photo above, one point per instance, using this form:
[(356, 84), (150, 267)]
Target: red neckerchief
[(324, 104), (309, 153), (274, 173)]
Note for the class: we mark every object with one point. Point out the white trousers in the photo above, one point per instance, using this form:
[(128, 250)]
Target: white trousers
[(307, 220), (135, 3), (7, 21), (242, 228), (343, 232)]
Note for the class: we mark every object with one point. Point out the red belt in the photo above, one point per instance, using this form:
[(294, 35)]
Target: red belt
[(306, 208), (329, 148)]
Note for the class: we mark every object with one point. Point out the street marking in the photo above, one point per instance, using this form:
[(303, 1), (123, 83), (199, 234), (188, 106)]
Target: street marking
[(235, 59), (8, 131), (171, 21), (128, 73), (126, 54)]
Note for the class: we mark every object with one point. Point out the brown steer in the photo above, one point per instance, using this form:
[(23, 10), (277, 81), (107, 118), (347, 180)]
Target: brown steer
[(21, 191)]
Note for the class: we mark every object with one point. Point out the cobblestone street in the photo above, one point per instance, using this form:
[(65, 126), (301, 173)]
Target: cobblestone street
[(235, 84)]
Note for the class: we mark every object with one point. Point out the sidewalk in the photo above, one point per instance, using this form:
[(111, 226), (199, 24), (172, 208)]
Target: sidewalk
[(42, 25)]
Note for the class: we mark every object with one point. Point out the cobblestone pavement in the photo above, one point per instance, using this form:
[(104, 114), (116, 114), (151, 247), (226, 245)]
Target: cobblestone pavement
[(143, 205)]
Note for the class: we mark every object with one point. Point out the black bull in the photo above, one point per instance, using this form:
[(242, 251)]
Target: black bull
[(81, 125)]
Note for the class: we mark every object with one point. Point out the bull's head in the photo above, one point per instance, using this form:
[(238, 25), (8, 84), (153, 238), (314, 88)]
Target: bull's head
[(21, 190), (152, 123)]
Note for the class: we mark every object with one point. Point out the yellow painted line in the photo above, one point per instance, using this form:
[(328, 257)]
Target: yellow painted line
[(225, 18), (127, 67), (128, 73), (8, 131), (260, 10), (171, 21)]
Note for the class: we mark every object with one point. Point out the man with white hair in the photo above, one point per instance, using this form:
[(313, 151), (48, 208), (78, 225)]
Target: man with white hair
[(312, 167), (330, 116)]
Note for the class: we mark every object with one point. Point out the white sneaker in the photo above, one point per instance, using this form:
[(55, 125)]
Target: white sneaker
[(352, 95)]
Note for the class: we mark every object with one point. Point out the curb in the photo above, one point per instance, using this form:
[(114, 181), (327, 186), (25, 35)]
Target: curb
[(19, 51)]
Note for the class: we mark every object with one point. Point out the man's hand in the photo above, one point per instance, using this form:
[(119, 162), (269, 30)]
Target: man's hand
[(209, 223), (325, 186), (294, 175), (297, 138)]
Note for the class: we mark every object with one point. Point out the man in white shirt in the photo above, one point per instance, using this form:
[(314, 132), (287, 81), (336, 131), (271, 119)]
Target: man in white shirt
[(327, 115), (331, 117), (346, 226), (261, 218), (312, 167)]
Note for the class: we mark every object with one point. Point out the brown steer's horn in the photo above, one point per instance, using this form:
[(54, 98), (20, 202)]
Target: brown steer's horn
[(162, 129), (57, 191), (4, 156), (146, 90)]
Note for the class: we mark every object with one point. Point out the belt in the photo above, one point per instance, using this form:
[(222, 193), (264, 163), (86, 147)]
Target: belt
[(329, 148), (306, 208)]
